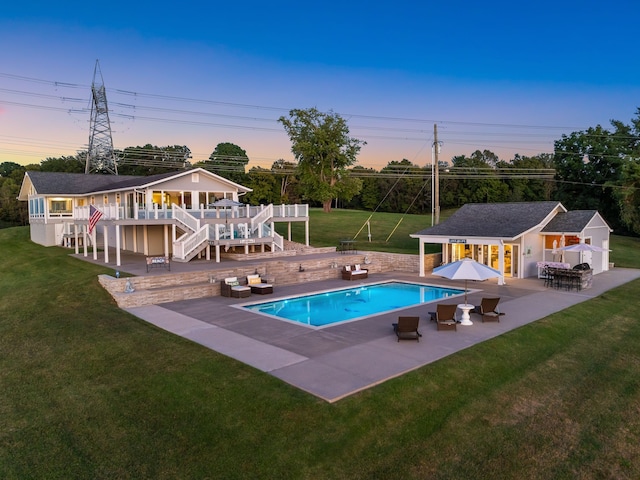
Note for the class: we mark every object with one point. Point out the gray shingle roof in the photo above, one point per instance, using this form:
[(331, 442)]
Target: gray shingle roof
[(500, 220), (57, 183), (570, 222)]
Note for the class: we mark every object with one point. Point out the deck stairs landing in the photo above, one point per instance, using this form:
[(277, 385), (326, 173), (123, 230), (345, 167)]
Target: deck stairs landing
[(196, 237)]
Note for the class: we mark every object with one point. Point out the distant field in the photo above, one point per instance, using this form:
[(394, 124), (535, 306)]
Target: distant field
[(389, 231)]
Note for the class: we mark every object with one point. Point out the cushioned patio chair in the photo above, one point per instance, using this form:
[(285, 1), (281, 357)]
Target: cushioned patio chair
[(488, 309), (445, 316), (259, 285), (407, 328), (230, 287)]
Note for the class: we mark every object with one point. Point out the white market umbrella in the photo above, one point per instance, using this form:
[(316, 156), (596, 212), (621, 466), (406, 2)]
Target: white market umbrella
[(225, 203), (466, 269), (583, 247)]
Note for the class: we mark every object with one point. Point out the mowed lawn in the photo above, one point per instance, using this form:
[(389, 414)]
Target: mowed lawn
[(88, 391)]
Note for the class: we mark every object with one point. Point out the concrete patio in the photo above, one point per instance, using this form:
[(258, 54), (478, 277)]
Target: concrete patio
[(336, 361)]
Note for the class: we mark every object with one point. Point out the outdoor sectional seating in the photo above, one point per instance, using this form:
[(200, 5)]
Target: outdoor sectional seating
[(259, 285), (230, 287), (354, 272)]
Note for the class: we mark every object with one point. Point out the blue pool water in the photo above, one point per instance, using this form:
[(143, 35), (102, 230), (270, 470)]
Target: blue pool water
[(338, 306)]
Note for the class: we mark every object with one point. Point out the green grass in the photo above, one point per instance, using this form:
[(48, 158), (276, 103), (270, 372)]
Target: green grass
[(89, 391), (389, 231), (625, 251)]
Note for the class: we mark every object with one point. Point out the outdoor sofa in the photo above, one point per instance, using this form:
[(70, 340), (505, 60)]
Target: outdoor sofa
[(354, 272)]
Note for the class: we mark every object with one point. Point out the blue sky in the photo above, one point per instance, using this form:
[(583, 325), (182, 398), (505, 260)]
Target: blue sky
[(494, 75)]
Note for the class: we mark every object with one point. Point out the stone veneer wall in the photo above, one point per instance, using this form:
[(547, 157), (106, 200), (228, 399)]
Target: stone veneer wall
[(183, 286)]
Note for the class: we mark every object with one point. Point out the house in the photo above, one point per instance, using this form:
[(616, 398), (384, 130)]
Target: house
[(169, 214), (517, 238)]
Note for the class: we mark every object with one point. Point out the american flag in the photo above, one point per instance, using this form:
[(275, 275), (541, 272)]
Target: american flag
[(94, 216)]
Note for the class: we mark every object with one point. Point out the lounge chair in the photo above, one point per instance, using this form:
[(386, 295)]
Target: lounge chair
[(488, 309), (407, 328), (445, 316)]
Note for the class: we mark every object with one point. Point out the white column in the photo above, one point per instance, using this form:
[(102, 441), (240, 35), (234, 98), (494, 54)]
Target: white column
[(75, 234), (118, 263), (421, 259), (105, 235), (501, 262), (84, 239), (145, 240), (135, 238), (94, 241), (166, 240), (289, 231), (306, 232), (217, 253)]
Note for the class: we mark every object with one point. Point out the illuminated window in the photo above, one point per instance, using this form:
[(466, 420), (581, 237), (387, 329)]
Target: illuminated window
[(59, 205)]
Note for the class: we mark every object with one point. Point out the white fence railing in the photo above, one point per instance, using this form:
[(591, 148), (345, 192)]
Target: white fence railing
[(185, 218), (261, 217), (190, 244), (137, 211)]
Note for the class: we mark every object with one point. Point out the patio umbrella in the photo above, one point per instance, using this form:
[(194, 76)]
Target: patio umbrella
[(225, 203), (466, 269), (582, 247)]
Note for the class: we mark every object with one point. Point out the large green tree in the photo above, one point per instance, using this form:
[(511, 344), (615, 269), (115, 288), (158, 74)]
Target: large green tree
[(285, 174), (66, 164), (324, 150), (264, 187), (472, 179), (229, 161), (595, 169), (12, 211), (404, 188), (523, 186)]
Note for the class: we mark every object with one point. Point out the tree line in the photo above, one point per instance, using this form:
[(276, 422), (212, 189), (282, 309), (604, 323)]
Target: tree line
[(597, 169)]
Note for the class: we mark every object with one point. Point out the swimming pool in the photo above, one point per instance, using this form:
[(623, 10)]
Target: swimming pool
[(337, 306)]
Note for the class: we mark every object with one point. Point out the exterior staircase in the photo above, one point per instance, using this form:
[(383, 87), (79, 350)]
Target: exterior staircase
[(197, 236)]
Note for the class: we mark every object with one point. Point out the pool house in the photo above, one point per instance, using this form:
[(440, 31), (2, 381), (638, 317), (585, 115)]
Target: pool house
[(517, 238)]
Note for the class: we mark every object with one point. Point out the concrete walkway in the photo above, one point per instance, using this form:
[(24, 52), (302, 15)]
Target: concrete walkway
[(337, 361)]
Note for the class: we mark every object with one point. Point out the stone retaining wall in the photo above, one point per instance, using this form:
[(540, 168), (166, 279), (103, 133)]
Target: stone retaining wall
[(171, 287)]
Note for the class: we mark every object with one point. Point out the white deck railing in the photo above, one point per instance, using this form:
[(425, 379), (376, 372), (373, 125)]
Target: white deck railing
[(137, 211), (185, 218)]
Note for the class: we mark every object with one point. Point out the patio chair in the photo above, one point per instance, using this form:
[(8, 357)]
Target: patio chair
[(488, 309), (445, 316), (230, 287), (407, 328), (259, 285)]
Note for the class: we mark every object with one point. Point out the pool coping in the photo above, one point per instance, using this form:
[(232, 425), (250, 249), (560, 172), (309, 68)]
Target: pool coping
[(341, 360)]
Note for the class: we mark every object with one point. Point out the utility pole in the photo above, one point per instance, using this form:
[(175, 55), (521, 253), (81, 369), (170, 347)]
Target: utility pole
[(436, 193)]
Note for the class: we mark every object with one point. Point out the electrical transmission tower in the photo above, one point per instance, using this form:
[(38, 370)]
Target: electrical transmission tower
[(100, 156)]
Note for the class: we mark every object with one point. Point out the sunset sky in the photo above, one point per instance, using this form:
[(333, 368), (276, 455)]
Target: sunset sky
[(492, 75)]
